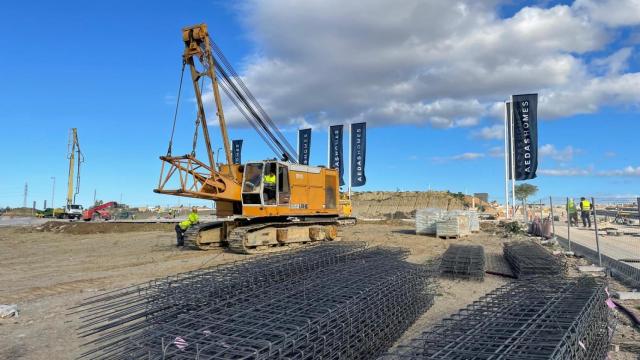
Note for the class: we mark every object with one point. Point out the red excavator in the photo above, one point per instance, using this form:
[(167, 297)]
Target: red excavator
[(99, 212)]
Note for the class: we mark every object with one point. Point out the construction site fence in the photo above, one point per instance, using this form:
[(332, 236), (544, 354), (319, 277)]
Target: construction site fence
[(608, 234)]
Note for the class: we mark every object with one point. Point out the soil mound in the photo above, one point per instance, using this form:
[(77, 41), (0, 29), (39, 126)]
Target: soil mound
[(83, 228)]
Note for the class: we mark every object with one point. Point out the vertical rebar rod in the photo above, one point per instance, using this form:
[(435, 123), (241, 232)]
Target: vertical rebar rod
[(595, 224), (553, 219), (638, 204), (568, 224)]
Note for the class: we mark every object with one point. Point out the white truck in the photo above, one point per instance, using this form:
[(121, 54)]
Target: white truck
[(72, 211)]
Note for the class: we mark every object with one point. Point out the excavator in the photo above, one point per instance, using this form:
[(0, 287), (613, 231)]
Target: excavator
[(268, 205)]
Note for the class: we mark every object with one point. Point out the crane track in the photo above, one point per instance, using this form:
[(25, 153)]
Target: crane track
[(191, 235), (237, 237), (235, 241)]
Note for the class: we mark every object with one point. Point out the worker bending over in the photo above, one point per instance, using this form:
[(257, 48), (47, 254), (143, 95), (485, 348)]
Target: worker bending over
[(183, 226), (585, 212)]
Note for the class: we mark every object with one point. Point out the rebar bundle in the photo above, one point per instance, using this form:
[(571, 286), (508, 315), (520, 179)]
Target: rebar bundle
[(530, 259), (332, 300), (544, 318), (463, 262)]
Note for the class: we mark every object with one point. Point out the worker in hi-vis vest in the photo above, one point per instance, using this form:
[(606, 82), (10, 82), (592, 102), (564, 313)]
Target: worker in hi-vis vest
[(585, 212), (270, 188), (183, 226), (572, 212)]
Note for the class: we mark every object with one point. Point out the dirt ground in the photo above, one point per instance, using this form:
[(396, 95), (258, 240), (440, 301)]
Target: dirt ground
[(48, 270)]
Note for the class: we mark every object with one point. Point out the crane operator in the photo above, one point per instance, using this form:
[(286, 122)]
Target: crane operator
[(183, 226), (270, 187)]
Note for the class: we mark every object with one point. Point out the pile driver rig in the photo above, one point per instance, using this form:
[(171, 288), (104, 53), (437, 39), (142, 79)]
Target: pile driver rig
[(76, 158), (304, 203)]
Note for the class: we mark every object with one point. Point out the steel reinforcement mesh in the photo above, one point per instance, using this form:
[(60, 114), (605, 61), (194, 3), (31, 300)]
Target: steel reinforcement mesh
[(531, 259), (542, 318), (463, 262), (333, 300)]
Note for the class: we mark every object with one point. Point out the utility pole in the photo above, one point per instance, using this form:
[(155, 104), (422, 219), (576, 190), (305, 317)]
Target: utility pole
[(53, 192), (26, 192), (94, 196)]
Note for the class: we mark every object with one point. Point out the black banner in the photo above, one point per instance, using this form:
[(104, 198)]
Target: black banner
[(304, 146), (336, 161), (358, 153), (525, 135), (236, 151), (508, 125)]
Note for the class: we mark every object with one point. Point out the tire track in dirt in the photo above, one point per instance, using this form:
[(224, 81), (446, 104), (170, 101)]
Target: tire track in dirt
[(57, 289)]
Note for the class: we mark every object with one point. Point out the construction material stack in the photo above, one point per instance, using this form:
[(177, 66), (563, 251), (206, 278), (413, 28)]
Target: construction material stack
[(452, 223), (453, 227), (463, 262), (546, 318), (529, 259), (474, 221), (327, 301), (426, 220)]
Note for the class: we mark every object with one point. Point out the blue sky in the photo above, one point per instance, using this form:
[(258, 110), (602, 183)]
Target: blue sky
[(430, 92)]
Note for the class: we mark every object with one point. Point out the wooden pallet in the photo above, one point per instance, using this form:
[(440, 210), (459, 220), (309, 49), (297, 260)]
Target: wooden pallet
[(448, 237)]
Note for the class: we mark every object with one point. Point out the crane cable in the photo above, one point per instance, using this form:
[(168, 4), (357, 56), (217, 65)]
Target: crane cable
[(224, 86), (254, 116), (175, 115), (256, 119), (248, 99), (198, 120), (241, 102)]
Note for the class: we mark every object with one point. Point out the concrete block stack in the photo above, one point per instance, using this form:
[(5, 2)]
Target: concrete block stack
[(426, 220)]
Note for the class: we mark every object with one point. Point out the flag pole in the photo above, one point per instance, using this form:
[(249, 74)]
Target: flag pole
[(329, 147), (298, 144), (506, 161), (350, 145), (513, 160)]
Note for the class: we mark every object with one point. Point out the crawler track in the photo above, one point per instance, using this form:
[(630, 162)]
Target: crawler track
[(192, 236), (237, 239)]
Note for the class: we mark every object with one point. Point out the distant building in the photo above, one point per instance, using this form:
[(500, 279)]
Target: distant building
[(482, 196)]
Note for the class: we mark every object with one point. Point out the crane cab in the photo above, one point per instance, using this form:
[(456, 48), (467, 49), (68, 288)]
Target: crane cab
[(276, 188)]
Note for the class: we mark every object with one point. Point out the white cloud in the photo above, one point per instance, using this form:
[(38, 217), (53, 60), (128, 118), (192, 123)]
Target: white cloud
[(627, 171), (459, 157), (468, 156), (615, 63), (493, 132), (564, 155), (589, 96), (466, 122), (435, 62), (611, 12), (566, 172), (610, 154), (496, 151)]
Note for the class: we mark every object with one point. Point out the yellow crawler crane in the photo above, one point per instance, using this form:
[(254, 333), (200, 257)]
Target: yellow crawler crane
[(302, 205)]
